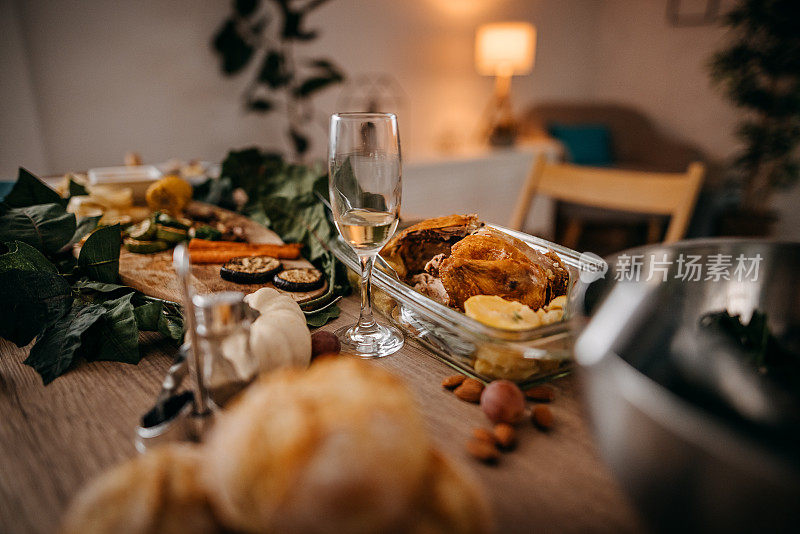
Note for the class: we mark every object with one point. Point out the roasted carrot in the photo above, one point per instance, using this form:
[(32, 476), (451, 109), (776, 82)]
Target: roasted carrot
[(222, 256), (204, 248)]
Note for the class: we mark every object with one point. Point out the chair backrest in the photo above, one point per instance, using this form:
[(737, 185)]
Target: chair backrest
[(662, 193)]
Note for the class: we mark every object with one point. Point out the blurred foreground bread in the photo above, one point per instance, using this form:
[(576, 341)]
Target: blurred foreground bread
[(337, 448), (155, 493)]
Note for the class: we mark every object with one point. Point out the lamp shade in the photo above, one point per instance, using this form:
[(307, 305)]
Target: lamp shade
[(505, 48)]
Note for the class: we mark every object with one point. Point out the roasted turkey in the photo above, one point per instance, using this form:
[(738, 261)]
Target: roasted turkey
[(453, 258)]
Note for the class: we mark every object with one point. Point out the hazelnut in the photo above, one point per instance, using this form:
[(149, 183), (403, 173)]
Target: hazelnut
[(503, 402)]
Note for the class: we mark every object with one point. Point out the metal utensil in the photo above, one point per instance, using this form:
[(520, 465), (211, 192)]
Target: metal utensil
[(183, 267), (688, 464), (172, 381)]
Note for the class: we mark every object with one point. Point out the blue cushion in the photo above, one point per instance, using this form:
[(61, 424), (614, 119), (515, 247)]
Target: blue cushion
[(5, 188), (585, 144)]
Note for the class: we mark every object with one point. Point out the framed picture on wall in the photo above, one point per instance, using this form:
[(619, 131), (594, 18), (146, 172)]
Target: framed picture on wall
[(693, 12)]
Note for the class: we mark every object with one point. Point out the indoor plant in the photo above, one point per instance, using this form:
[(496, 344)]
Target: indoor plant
[(759, 71)]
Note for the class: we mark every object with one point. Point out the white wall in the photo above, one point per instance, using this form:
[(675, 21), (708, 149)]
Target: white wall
[(113, 76), (85, 81), (662, 69), (19, 120)]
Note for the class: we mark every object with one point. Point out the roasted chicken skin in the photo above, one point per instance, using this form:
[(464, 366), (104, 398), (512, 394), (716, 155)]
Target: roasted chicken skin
[(410, 250), (511, 279), (490, 263)]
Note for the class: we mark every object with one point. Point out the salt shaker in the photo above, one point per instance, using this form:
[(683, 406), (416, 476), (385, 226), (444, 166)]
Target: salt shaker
[(223, 336)]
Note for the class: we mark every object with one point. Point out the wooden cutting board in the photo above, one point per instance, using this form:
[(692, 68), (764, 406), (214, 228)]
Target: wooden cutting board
[(153, 274)]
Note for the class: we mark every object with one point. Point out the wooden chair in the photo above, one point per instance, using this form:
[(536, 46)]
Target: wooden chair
[(660, 193)]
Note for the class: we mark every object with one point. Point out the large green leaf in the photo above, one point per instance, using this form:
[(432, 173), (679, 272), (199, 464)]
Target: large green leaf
[(47, 227), (54, 351), (99, 257), (84, 226), (30, 302), (30, 190), (156, 316), (117, 334), (21, 256)]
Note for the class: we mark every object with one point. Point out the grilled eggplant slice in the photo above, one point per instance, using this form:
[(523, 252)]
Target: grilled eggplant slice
[(299, 280), (250, 269)]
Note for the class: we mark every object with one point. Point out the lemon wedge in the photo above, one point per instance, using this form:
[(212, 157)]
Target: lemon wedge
[(501, 313)]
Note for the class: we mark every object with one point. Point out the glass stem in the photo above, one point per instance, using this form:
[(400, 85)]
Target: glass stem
[(365, 320)]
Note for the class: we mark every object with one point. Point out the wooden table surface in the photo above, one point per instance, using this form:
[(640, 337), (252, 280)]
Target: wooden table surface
[(54, 439)]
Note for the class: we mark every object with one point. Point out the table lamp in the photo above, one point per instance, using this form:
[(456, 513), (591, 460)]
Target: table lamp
[(503, 49)]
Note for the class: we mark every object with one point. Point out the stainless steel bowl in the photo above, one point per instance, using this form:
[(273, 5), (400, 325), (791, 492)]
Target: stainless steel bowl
[(690, 465)]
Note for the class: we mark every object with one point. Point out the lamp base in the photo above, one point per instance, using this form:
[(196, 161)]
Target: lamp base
[(500, 128), (503, 135)]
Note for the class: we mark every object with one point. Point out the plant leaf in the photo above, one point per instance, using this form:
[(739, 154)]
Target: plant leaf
[(274, 71), (84, 226), (46, 227), (234, 49), (76, 189), (54, 351), (31, 301), (30, 190), (99, 257), (117, 333), (261, 105), (315, 84), (21, 256), (154, 316), (245, 8), (299, 141), (322, 317)]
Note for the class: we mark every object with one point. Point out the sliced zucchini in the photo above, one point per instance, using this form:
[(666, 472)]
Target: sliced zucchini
[(171, 234), (144, 231), (145, 247), (298, 280), (205, 232), (250, 269), (173, 222)]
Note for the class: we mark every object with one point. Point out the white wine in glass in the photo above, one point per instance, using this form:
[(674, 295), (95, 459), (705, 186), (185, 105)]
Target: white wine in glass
[(365, 188)]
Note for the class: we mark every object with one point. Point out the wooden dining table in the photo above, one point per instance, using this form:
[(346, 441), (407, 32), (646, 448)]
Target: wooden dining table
[(56, 438)]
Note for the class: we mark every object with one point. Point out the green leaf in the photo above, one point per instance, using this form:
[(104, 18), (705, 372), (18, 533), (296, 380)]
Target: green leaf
[(274, 71), (54, 351), (21, 256), (76, 189), (31, 301), (117, 333), (154, 316), (99, 257), (101, 287), (30, 190), (322, 317), (85, 225), (47, 227), (315, 84), (261, 105), (234, 49)]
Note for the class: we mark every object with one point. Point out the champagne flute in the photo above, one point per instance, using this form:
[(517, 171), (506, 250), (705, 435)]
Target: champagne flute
[(365, 188)]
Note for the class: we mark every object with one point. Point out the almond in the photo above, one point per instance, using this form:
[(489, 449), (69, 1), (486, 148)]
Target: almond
[(470, 390), (505, 435), (541, 394), (484, 451), (453, 381), (542, 417), (483, 434)]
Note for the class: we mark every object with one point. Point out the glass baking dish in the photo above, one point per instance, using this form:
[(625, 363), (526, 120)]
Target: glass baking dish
[(484, 352)]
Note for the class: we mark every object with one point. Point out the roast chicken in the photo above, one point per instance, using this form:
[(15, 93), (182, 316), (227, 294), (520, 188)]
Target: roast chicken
[(454, 258)]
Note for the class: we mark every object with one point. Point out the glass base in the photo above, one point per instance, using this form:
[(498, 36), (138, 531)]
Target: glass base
[(373, 342)]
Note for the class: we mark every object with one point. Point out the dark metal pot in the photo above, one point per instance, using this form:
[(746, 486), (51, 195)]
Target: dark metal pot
[(726, 459)]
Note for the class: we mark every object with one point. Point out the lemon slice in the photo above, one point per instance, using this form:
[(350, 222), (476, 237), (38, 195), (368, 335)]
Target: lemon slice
[(501, 313)]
